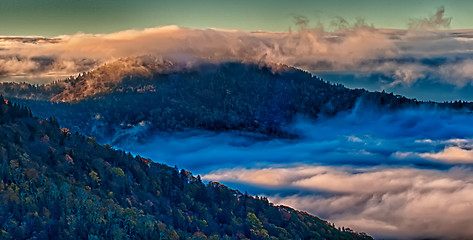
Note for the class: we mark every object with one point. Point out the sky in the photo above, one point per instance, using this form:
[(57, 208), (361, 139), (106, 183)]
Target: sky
[(58, 17)]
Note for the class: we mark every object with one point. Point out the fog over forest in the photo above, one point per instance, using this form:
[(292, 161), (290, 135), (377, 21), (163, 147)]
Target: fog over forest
[(385, 173)]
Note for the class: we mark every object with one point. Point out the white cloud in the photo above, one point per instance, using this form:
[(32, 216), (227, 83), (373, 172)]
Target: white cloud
[(387, 202), (16, 65), (451, 154)]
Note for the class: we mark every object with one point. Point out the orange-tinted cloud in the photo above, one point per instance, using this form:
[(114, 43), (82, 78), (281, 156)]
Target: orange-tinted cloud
[(401, 203)]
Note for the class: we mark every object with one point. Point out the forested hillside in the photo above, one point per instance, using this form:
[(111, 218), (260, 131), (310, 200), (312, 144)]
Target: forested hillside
[(141, 95), (55, 184)]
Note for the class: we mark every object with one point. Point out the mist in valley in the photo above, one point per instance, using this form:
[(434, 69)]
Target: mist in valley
[(383, 172)]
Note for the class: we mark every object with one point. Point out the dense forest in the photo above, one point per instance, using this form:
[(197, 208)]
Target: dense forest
[(55, 184), (137, 96)]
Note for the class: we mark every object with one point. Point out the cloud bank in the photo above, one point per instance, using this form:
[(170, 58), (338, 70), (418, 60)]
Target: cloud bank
[(398, 175), (425, 52), (397, 203)]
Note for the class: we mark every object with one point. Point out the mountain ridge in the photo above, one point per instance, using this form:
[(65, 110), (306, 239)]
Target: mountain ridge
[(160, 95)]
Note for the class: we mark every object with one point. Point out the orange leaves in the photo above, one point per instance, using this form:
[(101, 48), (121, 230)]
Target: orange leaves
[(65, 131), (145, 160), (68, 159)]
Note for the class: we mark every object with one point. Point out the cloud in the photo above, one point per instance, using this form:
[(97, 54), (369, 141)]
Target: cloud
[(301, 21), (406, 56), (41, 69), (399, 203), (451, 151), (455, 151), (362, 137), (389, 173), (451, 154), (434, 22), (460, 73), (16, 65)]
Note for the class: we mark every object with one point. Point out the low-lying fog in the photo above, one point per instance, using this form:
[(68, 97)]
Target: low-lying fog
[(396, 174)]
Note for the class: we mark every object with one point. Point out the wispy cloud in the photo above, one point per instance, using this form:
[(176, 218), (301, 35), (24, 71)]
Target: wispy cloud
[(434, 22)]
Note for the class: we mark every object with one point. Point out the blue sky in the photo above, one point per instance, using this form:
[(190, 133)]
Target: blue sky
[(57, 17)]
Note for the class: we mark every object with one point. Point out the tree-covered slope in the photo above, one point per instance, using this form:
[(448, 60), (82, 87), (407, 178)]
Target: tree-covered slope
[(60, 185), (145, 95)]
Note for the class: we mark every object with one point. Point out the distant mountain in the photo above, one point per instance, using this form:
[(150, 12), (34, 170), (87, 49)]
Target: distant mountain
[(102, 80), (58, 185), (136, 96)]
